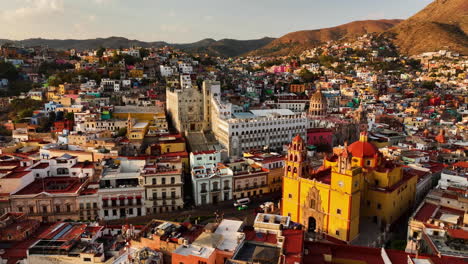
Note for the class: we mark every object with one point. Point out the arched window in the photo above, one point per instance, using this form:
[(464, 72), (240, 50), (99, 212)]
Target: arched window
[(295, 158), (295, 170), (289, 168), (290, 157)]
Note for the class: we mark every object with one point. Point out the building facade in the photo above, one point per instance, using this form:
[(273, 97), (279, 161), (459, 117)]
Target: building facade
[(355, 182), (163, 182)]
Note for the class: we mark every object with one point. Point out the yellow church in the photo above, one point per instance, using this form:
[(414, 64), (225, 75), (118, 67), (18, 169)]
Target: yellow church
[(355, 182)]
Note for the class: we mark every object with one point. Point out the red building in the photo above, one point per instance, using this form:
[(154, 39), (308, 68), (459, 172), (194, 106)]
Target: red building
[(319, 136), (59, 126)]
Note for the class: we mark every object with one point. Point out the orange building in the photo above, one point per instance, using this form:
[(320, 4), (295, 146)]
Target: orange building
[(297, 88)]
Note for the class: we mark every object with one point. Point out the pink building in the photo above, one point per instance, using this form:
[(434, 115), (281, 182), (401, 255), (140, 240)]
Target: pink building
[(319, 136)]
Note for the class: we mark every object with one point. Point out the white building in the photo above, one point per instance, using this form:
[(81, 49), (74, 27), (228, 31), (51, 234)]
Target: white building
[(63, 166), (132, 52), (166, 71), (185, 81), (110, 85), (100, 125), (212, 183), (296, 104), (201, 158), (456, 175), (185, 68), (121, 190), (256, 129)]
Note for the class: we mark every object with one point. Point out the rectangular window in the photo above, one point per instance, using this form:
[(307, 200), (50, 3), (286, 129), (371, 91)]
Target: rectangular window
[(338, 211), (337, 232), (379, 206)]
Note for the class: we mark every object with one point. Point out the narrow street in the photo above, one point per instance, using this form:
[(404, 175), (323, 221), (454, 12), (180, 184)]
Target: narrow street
[(204, 213)]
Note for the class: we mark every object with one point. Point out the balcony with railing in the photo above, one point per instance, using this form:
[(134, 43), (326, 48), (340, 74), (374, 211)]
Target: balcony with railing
[(248, 188)]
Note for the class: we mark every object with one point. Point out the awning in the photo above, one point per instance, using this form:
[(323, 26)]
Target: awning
[(105, 198), (130, 197), (122, 198), (138, 196), (114, 198)]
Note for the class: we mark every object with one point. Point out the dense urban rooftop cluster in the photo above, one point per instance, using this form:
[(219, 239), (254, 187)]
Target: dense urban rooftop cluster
[(346, 137)]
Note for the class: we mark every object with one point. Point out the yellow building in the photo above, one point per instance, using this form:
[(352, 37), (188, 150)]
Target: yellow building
[(355, 182), (137, 131), (140, 113), (136, 73)]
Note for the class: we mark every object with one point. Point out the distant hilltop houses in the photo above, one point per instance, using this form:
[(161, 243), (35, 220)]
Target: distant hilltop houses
[(350, 152)]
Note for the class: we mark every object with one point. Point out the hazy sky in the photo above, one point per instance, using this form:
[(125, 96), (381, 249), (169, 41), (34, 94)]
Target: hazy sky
[(187, 20)]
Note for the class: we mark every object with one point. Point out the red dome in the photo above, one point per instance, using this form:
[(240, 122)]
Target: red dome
[(362, 149), (297, 138)]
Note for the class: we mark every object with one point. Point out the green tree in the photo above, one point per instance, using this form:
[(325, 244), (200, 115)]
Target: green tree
[(122, 132), (70, 116), (19, 86), (8, 71), (307, 76), (4, 131), (428, 85), (100, 52), (144, 52)]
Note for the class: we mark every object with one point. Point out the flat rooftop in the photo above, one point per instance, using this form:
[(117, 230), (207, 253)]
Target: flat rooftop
[(258, 253), (270, 112), (229, 229), (201, 252)]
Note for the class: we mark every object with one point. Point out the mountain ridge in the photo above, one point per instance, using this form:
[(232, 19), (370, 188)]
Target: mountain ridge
[(443, 24), (224, 47), (294, 42)]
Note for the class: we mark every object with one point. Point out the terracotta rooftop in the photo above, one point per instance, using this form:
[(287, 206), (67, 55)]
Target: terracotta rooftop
[(425, 212), (52, 185), (458, 233), (366, 255), (16, 174), (84, 165), (41, 165)]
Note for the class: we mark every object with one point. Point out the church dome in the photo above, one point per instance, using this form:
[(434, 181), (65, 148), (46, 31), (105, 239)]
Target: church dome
[(318, 104), (362, 148), (318, 97)]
